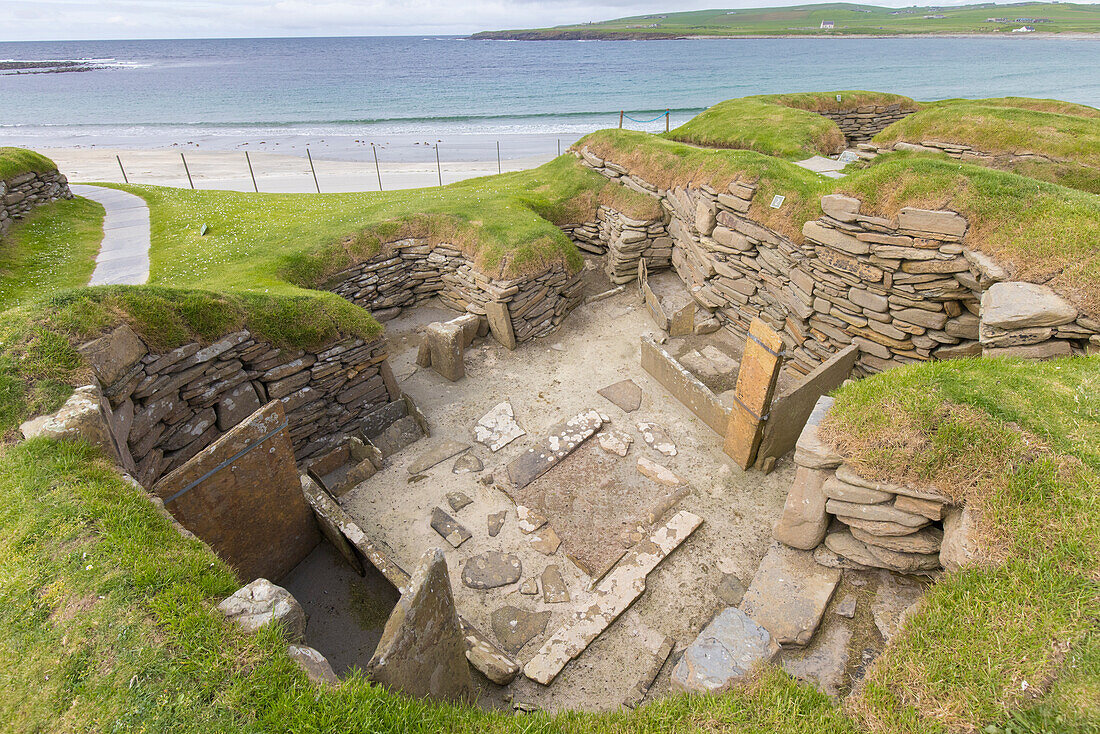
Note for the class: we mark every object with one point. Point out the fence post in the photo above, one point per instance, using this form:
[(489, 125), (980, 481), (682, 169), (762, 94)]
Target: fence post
[(667, 114), (313, 170), (250, 173), (376, 168), (498, 156), (438, 167), (187, 171), (124, 178), (559, 146), (621, 115)]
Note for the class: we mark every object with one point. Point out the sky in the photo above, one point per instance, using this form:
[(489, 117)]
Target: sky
[(38, 20)]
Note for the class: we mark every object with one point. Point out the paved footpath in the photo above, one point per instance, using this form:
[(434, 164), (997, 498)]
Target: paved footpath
[(124, 255)]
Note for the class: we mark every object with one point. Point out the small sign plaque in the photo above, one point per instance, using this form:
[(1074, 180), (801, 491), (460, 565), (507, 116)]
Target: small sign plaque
[(777, 201), (838, 98)]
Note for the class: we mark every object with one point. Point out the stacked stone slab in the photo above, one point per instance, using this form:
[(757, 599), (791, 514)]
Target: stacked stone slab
[(1030, 320), (903, 289), (411, 271), (19, 194), (625, 241), (967, 153), (167, 407), (863, 123), (851, 522)]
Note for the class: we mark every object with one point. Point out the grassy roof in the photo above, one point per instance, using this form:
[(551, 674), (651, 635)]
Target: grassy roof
[(16, 161), (1015, 639), (1067, 134), (783, 125)]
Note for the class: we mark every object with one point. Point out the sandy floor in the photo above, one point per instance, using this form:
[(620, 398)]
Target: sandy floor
[(275, 173), (546, 381)]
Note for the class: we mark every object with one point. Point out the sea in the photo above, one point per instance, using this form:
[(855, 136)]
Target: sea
[(406, 95)]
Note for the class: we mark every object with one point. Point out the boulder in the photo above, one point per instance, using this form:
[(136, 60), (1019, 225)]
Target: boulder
[(788, 594), (1023, 305), (723, 653), (840, 207), (314, 664), (491, 569), (113, 355), (422, 651), (261, 603), (804, 520)]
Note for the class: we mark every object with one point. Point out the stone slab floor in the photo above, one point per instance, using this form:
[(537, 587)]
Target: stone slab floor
[(547, 381)]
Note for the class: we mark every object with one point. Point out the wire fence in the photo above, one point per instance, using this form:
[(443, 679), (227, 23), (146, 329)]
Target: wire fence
[(449, 161), (666, 115)]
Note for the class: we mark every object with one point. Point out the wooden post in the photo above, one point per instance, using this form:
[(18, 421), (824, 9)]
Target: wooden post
[(376, 168), (314, 171), (187, 171), (760, 365), (621, 115), (498, 156), (559, 146), (667, 114), (250, 173), (124, 178), (438, 167)]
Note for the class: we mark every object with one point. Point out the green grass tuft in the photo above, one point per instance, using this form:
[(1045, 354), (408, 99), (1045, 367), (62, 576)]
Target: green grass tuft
[(17, 161)]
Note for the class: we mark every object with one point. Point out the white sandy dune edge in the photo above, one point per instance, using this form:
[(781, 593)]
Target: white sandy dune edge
[(274, 173)]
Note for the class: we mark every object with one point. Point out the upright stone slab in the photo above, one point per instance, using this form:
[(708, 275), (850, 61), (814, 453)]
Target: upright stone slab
[(242, 495), (804, 520), (500, 323), (422, 651), (446, 344)]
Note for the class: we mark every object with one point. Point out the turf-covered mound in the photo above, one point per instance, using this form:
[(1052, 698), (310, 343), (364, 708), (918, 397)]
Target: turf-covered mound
[(17, 161), (791, 126)]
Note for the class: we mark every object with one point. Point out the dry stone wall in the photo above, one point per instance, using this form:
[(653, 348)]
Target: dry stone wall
[(624, 241), (903, 289), (167, 407), (863, 123), (411, 271), (20, 194)]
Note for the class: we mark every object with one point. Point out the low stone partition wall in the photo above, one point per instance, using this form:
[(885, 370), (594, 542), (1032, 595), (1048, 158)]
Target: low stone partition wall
[(851, 522), (624, 241), (863, 123), (903, 289), (20, 194), (164, 408), (967, 153), (411, 271)]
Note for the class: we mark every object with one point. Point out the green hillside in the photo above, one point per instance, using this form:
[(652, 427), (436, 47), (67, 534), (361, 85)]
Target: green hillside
[(846, 18)]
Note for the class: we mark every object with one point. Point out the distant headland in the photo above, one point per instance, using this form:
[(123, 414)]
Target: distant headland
[(827, 20)]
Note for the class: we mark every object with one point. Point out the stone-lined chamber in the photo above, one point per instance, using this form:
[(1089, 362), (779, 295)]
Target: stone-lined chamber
[(862, 123), (20, 194), (904, 289), (166, 407)]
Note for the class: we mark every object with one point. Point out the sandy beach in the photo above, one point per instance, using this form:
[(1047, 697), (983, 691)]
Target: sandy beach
[(274, 172)]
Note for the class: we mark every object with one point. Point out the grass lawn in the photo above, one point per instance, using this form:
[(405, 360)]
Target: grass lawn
[(51, 248), (16, 161), (272, 243), (1067, 134)]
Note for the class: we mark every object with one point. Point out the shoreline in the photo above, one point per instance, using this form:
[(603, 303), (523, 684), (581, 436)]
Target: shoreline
[(274, 172), (626, 36)]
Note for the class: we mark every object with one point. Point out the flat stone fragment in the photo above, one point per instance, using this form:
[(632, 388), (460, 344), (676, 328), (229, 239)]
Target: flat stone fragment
[(641, 688), (845, 546), (554, 590), (725, 651), (789, 593), (113, 355), (615, 442), (730, 590), (422, 651), (494, 663), (626, 394), (545, 540), (878, 513), (847, 606), (449, 528), (810, 450), (498, 428), (563, 439), (931, 509), (1024, 305), (829, 559), (611, 597), (836, 489), (491, 569), (927, 540), (656, 438), (825, 663), (467, 464), (903, 562), (658, 473), (457, 500), (880, 528), (959, 546), (529, 587), (495, 522), (894, 598), (399, 434), (435, 455), (847, 474), (529, 520), (261, 603), (315, 665), (515, 627)]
